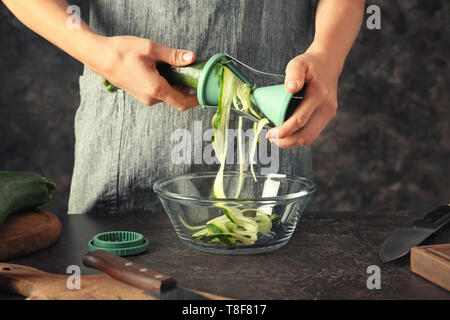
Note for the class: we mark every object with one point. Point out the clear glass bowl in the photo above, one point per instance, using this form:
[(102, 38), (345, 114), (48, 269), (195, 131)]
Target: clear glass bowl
[(189, 202)]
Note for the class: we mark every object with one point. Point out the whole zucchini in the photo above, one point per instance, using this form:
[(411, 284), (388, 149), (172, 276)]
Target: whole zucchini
[(187, 76), (22, 191)]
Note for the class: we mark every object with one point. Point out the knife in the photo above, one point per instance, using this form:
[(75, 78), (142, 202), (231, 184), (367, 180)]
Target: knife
[(401, 240), (153, 283), (242, 114)]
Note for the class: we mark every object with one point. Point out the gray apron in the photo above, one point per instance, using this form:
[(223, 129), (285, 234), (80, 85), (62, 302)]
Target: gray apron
[(122, 146)]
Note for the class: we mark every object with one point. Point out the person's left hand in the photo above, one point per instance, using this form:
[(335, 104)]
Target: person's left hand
[(318, 106)]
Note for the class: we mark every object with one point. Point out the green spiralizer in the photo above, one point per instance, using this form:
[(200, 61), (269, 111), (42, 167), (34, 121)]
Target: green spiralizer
[(274, 102)]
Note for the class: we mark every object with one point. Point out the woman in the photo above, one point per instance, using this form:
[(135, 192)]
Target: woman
[(123, 146)]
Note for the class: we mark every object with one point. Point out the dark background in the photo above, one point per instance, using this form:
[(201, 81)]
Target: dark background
[(387, 148)]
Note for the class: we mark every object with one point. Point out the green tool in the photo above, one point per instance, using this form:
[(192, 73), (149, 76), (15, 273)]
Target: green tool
[(274, 102), (121, 243)]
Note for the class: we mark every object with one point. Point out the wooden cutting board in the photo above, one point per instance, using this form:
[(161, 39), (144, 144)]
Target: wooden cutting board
[(26, 232), (35, 284), (432, 263)]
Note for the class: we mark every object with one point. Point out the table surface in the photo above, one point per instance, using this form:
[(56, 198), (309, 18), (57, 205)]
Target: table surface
[(327, 258)]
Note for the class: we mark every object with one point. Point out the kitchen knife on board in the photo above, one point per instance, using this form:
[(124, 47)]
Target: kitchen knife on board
[(401, 240), (152, 282)]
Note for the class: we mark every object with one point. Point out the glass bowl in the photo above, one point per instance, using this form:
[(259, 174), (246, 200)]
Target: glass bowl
[(189, 202)]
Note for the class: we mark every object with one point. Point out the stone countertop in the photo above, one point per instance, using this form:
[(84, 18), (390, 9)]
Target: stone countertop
[(327, 258)]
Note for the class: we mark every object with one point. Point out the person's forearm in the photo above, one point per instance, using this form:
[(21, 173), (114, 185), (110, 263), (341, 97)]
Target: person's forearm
[(48, 18), (128, 62), (337, 26)]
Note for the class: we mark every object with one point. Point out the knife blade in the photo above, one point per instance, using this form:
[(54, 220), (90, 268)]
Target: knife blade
[(152, 283), (401, 240), (242, 114)]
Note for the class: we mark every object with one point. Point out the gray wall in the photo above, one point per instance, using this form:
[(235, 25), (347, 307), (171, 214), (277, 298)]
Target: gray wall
[(387, 148)]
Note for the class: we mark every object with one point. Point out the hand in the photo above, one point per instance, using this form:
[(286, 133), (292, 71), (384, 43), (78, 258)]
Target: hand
[(318, 106), (130, 64)]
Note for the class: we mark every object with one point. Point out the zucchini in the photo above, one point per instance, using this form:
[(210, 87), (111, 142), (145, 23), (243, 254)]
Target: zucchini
[(216, 228), (232, 227), (22, 191), (109, 86), (187, 76)]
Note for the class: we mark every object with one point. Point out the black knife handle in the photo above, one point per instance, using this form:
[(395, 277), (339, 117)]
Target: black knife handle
[(434, 219)]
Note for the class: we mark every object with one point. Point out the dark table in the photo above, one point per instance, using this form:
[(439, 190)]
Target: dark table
[(327, 258)]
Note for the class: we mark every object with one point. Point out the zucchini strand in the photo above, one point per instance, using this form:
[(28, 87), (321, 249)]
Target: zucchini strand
[(233, 227)]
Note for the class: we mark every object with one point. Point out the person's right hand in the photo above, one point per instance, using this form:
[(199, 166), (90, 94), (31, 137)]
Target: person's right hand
[(130, 64)]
